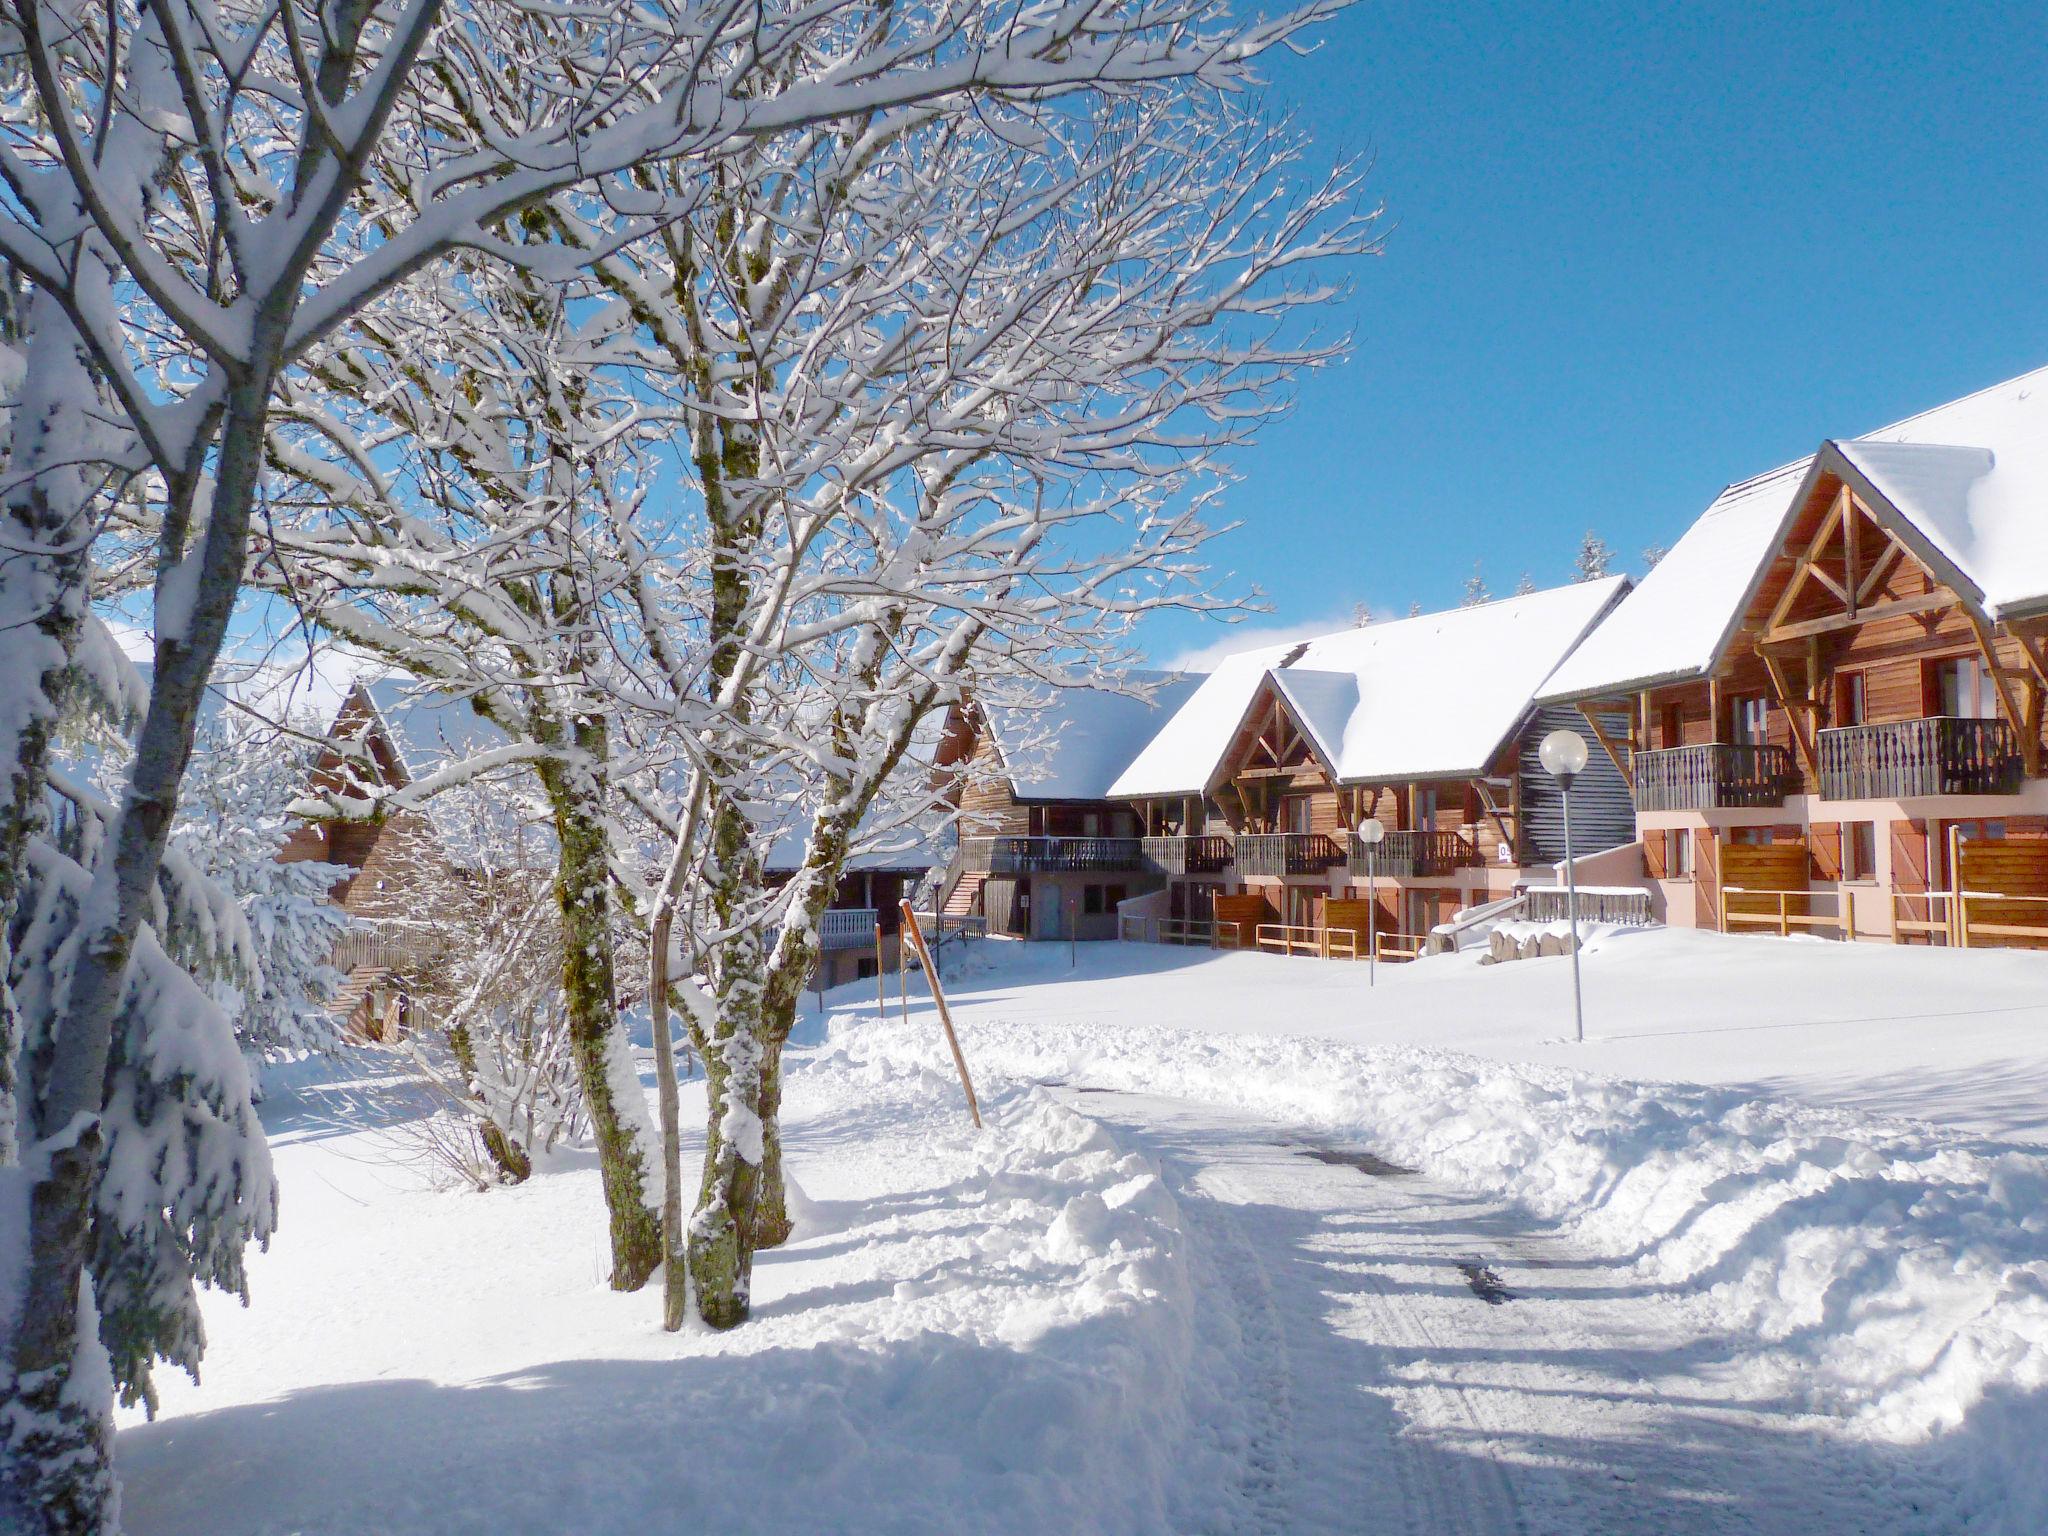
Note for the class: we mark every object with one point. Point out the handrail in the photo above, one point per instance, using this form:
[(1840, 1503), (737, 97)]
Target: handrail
[(1400, 946), (1784, 919), (1300, 938)]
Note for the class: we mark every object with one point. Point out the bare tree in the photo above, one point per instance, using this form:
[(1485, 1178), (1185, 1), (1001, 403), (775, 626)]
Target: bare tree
[(177, 177)]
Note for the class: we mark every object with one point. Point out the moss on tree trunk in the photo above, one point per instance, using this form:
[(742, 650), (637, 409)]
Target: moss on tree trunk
[(582, 890)]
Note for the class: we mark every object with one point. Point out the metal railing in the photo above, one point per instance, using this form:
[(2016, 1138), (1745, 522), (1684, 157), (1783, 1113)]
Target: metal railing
[(1185, 855), (1413, 855), (1050, 855), (1287, 853), (1939, 755), (1712, 776)]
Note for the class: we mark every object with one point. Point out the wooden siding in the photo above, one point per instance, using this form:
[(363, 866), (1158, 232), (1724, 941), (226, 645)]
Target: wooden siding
[(1758, 867), (2010, 867), (1603, 811), (1893, 654)]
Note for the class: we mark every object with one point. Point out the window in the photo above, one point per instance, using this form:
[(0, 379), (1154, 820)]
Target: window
[(864, 967), (1294, 813), (1425, 808), (1673, 726), (1851, 699), (1678, 854), (1859, 850), (1750, 720), (1091, 900), (1112, 896), (1091, 824), (1962, 688)]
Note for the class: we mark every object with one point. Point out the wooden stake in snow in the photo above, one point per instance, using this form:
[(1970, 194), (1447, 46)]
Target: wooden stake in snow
[(931, 975), (881, 976)]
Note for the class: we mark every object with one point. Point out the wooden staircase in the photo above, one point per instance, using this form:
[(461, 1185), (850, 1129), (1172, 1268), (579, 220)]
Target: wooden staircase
[(961, 901), (353, 1004)]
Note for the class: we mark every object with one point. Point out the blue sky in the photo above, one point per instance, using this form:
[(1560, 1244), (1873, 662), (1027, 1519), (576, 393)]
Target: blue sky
[(1635, 252)]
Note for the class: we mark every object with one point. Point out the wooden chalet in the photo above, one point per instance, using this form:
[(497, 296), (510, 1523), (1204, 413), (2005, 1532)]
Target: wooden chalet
[(1834, 688), (1251, 795), (1046, 851)]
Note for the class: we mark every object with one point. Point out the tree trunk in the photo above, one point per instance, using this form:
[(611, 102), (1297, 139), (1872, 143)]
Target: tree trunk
[(721, 1237), (772, 1225), (507, 1156), (611, 1089)]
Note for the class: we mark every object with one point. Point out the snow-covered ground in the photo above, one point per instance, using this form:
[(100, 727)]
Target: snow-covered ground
[(1959, 1038), (1246, 1247)]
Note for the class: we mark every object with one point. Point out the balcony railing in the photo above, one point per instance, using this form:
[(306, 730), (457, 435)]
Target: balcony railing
[(1713, 776), (1412, 855), (1287, 853), (1050, 855), (847, 928), (1186, 855), (1941, 755)]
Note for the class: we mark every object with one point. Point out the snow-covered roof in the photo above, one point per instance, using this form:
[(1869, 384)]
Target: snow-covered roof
[(1421, 698), (1071, 743), (1966, 482), (430, 729)]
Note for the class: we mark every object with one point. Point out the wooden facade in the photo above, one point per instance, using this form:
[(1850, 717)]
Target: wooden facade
[(1865, 715), (1043, 868), (1279, 824)]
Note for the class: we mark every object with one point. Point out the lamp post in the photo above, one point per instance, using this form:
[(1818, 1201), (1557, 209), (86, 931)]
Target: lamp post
[(1563, 754), (1371, 833)]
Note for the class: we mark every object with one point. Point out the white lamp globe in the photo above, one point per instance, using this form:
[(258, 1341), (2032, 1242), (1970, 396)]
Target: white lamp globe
[(1563, 754), (1370, 831)]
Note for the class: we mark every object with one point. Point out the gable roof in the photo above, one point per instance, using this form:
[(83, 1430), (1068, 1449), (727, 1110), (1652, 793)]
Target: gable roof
[(1965, 485), (1072, 743), (1422, 698)]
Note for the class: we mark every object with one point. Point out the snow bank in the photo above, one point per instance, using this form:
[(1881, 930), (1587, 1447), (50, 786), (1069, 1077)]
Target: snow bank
[(991, 1331), (1891, 1275)]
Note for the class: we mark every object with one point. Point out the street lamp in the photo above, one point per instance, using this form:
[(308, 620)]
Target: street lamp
[(1563, 754), (1371, 833)]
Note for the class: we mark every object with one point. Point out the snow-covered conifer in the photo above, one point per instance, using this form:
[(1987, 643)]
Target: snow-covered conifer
[(1594, 557)]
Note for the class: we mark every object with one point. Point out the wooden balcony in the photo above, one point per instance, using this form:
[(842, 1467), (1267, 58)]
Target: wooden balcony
[(1713, 776), (1941, 755), (1051, 855), (1186, 855), (1287, 853), (1413, 855)]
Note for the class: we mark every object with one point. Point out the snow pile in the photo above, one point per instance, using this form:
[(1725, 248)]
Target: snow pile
[(990, 1331), (1892, 1275)]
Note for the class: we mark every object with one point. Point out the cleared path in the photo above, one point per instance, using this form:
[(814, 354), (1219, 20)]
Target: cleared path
[(1430, 1363)]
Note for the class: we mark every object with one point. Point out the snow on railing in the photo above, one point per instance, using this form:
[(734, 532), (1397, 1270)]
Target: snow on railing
[(847, 928)]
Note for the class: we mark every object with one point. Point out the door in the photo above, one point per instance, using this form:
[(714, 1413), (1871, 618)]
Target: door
[(1750, 722), (1294, 813), (1963, 689)]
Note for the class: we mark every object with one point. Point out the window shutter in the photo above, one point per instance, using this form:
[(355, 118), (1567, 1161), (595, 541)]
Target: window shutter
[(1653, 853), (1824, 847)]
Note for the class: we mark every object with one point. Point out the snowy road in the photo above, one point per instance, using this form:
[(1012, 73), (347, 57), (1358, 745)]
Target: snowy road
[(1432, 1363)]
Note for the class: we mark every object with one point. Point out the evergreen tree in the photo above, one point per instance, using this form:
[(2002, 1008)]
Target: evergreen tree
[(1475, 588), (1526, 585), (1653, 554), (1415, 610), (1593, 558)]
